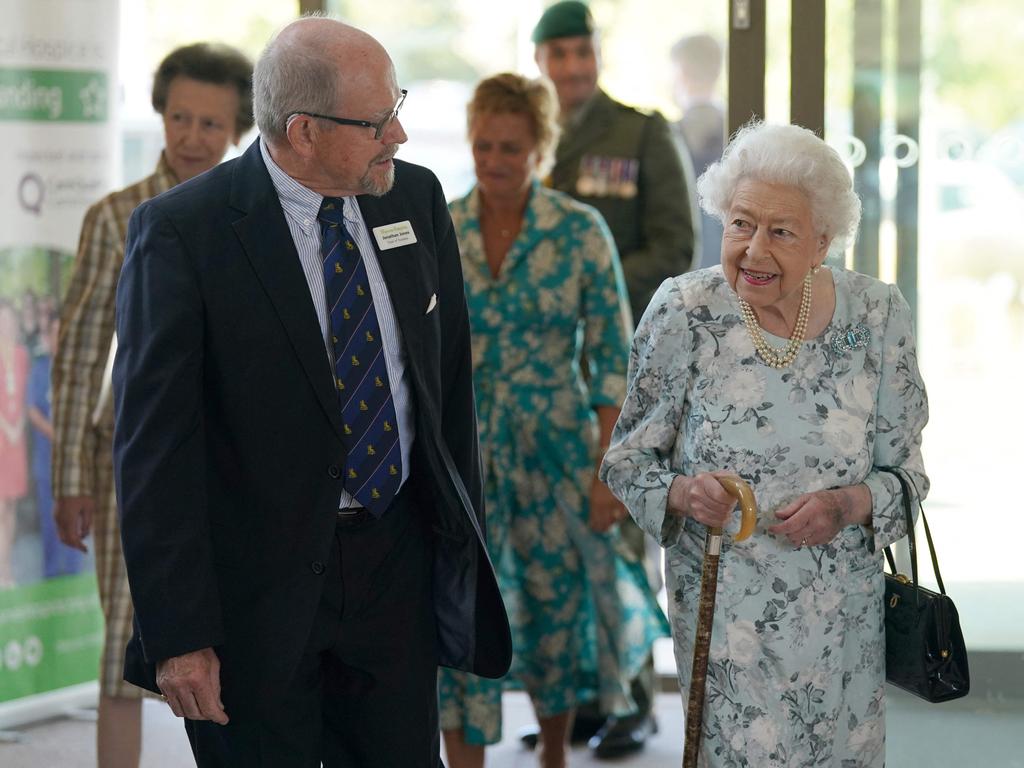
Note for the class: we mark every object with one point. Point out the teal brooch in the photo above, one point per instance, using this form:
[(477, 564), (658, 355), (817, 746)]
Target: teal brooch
[(856, 337)]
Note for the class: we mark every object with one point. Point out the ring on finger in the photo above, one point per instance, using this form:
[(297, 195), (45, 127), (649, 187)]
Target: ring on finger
[(803, 542)]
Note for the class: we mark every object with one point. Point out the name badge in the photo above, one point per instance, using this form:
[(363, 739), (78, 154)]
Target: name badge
[(394, 235)]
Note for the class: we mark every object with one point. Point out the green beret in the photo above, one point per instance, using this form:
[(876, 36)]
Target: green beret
[(569, 18)]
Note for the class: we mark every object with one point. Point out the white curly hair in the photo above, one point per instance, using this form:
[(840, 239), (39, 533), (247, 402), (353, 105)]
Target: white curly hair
[(792, 156)]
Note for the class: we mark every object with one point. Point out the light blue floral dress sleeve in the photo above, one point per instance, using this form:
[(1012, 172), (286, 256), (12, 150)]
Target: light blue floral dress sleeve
[(796, 672), (583, 619)]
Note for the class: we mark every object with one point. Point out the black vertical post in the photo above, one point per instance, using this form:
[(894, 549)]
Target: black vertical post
[(807, 65), (747, 19), (908, 124), (867, 118)]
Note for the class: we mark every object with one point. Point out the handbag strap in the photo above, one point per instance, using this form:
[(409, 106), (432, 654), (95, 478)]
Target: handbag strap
[(906, 483), (908, 514)]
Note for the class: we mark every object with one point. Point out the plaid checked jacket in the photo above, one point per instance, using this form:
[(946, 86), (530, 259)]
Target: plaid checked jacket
[(83, 426)]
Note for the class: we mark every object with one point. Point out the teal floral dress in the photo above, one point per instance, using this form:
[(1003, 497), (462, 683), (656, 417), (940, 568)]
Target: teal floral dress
[(583, 619), (797, 661)]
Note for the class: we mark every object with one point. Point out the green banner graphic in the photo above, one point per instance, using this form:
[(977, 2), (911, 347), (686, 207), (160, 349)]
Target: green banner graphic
[(53, 95), (51, 635)]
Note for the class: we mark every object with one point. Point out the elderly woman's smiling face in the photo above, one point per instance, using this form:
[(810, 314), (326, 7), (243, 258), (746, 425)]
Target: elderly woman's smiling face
[(769, 244)]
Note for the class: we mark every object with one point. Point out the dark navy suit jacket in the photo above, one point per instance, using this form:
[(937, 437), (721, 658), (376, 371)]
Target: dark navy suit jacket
[(227, 444)]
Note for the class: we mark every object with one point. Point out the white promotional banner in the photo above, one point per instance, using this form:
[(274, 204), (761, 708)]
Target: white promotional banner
[(58, 156), (58, 81)]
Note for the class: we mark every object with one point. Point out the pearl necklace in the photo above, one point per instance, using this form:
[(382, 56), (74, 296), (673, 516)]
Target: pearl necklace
[(779, 358)]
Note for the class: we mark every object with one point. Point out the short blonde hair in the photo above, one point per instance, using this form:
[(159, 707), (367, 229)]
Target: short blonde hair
[(795, 157), (512, 94)]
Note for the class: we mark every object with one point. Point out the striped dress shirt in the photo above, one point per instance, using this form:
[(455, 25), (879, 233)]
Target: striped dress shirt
[(301, 206)]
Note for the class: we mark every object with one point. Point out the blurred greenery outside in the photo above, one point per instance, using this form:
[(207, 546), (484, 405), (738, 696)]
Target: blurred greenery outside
[(33, 270)]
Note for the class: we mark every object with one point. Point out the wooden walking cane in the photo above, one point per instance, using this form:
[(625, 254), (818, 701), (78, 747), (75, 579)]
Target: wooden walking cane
[(706, 614)]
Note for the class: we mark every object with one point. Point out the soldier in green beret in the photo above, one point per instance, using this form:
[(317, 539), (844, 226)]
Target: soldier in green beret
[(625, 163), (619, 159)]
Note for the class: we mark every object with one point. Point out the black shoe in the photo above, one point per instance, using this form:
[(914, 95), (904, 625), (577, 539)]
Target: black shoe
[(622, 736), (583, 729), (529, 735)]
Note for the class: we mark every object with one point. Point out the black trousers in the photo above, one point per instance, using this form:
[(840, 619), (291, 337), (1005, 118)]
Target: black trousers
[(365, 692)]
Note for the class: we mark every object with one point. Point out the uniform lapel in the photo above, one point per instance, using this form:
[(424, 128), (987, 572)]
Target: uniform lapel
[(268, 244), (575, 141)]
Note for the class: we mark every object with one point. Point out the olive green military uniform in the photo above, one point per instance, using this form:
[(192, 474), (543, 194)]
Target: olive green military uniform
[(625, 163)]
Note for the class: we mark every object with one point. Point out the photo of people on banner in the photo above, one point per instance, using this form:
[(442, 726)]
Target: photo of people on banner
[(30, 549)]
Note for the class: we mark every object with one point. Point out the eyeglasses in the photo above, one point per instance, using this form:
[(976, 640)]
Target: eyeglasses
[(378, 127)]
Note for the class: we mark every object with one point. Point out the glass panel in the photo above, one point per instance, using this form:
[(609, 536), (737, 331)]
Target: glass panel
[(939, 161)]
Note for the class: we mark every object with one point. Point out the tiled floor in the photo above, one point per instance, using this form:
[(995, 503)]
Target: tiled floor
[(964, 734)]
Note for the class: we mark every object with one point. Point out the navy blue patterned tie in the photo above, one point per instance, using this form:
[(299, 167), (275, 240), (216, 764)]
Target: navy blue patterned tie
[(373, 469)]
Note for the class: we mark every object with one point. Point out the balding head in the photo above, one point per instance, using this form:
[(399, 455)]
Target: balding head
[(308, 67), (326, 101)]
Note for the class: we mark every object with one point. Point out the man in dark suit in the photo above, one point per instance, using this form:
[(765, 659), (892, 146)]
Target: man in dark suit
[(295, 445)]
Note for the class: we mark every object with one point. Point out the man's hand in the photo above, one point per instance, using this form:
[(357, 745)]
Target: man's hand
[(74, 516), (605, 509), (191, 685)]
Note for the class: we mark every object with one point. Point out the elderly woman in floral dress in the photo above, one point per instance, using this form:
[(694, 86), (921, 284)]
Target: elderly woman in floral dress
[(803, 380)]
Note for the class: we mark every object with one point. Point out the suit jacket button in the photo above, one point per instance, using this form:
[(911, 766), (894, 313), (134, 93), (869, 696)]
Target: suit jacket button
[(317, 567), (334, 472)]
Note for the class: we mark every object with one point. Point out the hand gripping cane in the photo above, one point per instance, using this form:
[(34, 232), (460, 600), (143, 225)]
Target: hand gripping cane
[(706, 614)]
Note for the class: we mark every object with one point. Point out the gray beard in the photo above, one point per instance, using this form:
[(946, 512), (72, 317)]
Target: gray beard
[(376, 186)]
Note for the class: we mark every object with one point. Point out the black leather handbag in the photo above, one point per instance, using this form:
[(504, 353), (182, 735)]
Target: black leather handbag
[(924, 647)]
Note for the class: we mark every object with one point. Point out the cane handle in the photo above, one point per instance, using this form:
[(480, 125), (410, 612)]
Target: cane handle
[(737, 487)]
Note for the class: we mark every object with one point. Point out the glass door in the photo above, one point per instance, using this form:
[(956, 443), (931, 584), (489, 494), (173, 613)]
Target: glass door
[(923, 100)]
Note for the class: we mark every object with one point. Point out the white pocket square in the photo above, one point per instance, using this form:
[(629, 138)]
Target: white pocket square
[(432, 304)]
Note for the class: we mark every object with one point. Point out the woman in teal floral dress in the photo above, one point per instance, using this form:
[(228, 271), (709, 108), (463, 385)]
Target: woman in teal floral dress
[(803, 380), (546, 299)]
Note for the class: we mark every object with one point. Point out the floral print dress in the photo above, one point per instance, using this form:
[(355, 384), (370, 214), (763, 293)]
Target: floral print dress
[(797, 661), (583, 618)]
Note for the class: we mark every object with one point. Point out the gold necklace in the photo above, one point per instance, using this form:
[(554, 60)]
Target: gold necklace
[(779, 358), (495, 221)]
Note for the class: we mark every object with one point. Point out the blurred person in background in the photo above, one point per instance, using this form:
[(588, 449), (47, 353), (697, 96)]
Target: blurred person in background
[(697, 64), (546, 296), (624, 163), (14, 365), (58, 558), (30, 325), (203, 93)]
